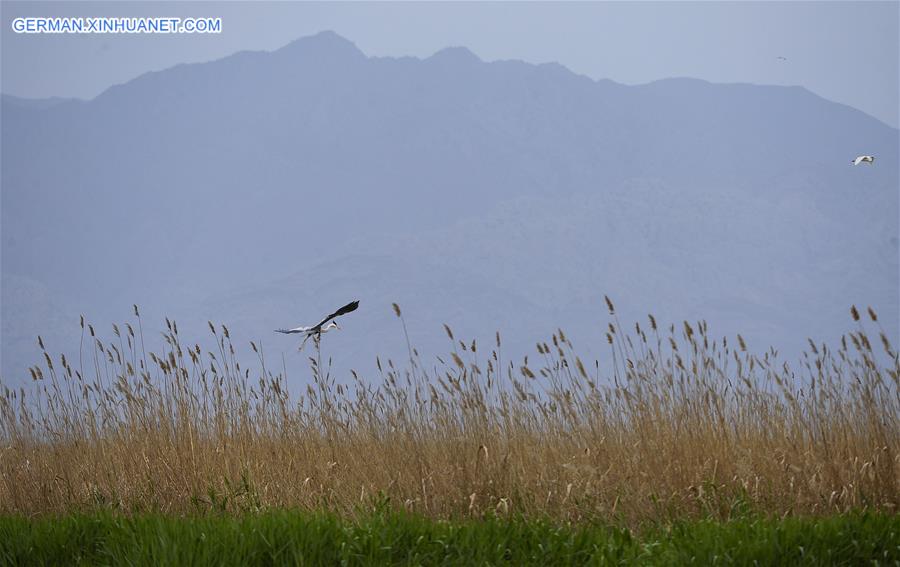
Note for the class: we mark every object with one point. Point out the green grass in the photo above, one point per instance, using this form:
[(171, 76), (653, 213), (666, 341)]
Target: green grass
[(302, 538)]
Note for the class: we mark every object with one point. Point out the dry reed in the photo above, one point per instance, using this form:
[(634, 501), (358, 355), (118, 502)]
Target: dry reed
[(684, 426)]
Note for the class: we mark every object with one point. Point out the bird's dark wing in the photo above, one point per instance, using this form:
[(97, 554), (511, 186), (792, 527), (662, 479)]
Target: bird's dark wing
[(342, 311)]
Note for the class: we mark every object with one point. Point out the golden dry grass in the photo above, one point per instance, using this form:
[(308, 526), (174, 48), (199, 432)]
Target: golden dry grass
[(684, 426)]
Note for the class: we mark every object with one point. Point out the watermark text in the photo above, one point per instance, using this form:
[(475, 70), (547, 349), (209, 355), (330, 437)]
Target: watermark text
[(117, 25)]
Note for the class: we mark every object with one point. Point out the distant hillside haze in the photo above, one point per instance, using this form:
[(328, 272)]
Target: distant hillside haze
[(265, 189)]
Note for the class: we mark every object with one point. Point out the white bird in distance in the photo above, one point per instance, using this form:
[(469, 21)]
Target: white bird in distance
[(322, 326), (869, 160)]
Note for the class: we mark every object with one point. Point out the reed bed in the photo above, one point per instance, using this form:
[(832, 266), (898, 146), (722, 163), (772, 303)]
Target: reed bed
[(681, 426)]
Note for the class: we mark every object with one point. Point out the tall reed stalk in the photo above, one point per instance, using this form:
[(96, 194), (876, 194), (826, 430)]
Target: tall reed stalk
[(684, 426)]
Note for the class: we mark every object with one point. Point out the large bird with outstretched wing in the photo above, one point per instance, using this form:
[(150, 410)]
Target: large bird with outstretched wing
[(322, 326)]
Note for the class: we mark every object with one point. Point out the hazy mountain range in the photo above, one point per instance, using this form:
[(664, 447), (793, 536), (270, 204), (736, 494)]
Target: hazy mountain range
[(264, 189)]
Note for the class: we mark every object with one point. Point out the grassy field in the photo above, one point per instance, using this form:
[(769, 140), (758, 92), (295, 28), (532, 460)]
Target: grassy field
[(395, 538), (684, 430)]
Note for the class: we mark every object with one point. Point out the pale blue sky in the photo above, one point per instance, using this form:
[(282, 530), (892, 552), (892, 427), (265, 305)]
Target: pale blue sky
[(845, 52)]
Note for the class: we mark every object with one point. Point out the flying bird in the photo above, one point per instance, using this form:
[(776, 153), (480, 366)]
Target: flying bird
[(864, 159), (322, 326)]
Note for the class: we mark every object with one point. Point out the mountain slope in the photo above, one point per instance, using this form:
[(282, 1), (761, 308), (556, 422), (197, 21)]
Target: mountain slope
[(527, 187)]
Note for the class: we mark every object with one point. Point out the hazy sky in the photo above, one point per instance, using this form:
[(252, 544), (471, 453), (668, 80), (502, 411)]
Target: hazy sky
[(846, 52)]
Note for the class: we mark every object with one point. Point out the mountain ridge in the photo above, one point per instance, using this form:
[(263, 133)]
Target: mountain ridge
[(184, 185)]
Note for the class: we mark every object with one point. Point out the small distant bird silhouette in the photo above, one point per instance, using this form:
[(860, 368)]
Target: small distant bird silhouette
[(864, 159), (322, 326), (781, 58)]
